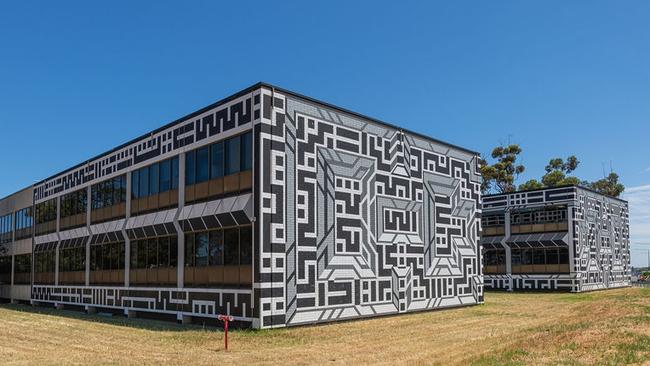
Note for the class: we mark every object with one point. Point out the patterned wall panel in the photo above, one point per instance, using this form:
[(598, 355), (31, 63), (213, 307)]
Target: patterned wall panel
[(601, 241), (360, 219)]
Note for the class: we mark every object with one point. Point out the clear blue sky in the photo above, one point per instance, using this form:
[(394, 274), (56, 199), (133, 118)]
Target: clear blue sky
[(559, 78)]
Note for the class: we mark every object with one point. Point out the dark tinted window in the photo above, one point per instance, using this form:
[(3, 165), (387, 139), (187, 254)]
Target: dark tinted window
[(232, 148), (202, 164), (245, 245), (216, 160), (135, 184), (231, 246), (144, 182), (247, 151), (190, 167), (174, 167), (201, 255), (154, 178), (165, 175), (216, 248)]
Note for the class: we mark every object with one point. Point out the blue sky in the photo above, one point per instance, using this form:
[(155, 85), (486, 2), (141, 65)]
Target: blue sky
[(559, 78)]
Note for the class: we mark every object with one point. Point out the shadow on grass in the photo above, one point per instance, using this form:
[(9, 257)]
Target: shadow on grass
[(116, 320)]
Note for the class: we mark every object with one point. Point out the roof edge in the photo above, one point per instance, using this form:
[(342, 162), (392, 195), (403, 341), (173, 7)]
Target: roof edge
[(578, 186)]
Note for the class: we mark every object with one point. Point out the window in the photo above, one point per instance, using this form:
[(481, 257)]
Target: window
[(22, 269), (6, 228), (74, 203), (154, 253), (154, 179), (25, 222), (233, 152), (72, 259), (216, 160), (202, 164), (539, 256), (216, 248), (246, 245), (221, 158), (107, 256), (5, 270), (46, 211), (247, 151)]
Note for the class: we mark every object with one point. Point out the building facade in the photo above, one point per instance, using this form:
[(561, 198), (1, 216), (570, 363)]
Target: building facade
[(268, 206), (565, 238)]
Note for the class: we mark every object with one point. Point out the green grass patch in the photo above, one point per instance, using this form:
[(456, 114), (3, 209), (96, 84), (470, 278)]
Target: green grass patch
[(512, 357)]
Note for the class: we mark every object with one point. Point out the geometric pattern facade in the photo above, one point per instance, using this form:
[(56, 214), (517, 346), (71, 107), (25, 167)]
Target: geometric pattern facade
[(351, 217), (360, 219), (597, 240)]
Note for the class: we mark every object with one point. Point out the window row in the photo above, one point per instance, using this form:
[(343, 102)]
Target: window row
[(228, 247), (219, 159), (108, 193), (539, 216), (156, 178), (530, 256), (493, 220), (154, 253), (105, 257), (74, 203), (6, 228)]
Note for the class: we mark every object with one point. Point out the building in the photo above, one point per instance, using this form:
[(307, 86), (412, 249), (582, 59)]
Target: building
[(566, 238), (269, 206)]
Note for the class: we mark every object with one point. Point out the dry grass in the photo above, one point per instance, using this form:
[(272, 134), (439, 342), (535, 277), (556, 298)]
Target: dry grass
[(608, 327)]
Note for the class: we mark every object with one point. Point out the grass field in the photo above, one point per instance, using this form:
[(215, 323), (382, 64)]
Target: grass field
[(607, 327)]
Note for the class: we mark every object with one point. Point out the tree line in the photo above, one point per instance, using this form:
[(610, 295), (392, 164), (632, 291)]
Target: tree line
[(501, 175)]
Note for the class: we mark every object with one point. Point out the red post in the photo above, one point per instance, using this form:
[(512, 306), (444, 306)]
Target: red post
[(225, 319)]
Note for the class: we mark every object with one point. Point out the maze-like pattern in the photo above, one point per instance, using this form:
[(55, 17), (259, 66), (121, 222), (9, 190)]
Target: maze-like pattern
[(360, 219), (601, 242)]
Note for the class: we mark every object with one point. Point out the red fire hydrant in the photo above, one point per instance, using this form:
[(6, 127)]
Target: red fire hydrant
[(225, 319)]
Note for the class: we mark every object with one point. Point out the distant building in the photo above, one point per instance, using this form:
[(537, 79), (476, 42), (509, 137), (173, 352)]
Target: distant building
[(269, 206), (566, 238)]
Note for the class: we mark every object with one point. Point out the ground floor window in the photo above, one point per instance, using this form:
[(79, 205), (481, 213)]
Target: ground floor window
[(107, 264), (5, 270), (219, 258), (154, 261), (44, 267), (72, 266), (23, 269)]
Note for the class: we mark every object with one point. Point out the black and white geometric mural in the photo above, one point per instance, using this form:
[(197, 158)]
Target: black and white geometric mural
[(360, 219), (597, 239)]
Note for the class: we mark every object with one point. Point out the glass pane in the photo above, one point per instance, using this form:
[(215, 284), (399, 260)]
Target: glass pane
[(144, 182), (216, 160), (232, 155), (526, 256), (152, 260), (173, 251), (154, 178), (165, 175), (231, 246), (174, 179), (190, 168), (135, 184), (201, 249), (189, 250), (564, 256), (247, 151), (142, 254), (163, 252), (551, 256), (245, 245), (216, 248), (539, 257), (134, 255), (202, 164)]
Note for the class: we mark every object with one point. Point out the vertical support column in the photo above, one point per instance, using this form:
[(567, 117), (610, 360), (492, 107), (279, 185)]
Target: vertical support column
[(180, 274), (58, 228), (507, 248), (127, 240), (89, 204)]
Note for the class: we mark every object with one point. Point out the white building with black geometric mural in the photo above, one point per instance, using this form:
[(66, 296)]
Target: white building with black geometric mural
[(565, 238), (268, 205)]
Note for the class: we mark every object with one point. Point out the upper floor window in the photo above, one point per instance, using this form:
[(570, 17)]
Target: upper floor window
[(74, 203), (108, 193), (226, 157), (45, 211), (24, 218), (154, 179), (6, 228)]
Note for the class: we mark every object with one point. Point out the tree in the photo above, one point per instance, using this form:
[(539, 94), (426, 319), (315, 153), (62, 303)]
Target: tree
[(501, 175), (530, 185), (608, 185), (557, 170)]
